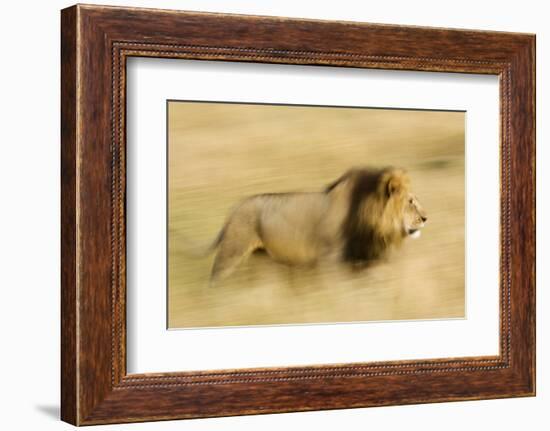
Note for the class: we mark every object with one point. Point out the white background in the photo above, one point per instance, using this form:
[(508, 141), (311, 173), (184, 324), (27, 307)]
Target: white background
[(151, 348), (29, 215)]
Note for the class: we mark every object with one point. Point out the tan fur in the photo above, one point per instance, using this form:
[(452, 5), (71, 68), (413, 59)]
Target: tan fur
[(356, 219)]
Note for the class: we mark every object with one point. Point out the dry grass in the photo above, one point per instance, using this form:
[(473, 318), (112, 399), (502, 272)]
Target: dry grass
[(221, 153)]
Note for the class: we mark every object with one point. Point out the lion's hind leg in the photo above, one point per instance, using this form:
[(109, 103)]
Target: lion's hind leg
[(237, 243)]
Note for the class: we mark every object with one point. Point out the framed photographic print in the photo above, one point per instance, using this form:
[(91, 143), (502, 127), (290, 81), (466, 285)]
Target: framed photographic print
[(264, 215)]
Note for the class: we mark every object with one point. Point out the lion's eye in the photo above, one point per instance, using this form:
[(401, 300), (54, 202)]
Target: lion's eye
[(411, 201)]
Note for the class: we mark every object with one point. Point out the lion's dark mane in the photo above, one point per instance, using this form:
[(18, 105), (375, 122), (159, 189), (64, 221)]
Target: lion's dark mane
[(362, 243)]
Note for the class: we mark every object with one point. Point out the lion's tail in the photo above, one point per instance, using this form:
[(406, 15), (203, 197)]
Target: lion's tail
[(188, 248)]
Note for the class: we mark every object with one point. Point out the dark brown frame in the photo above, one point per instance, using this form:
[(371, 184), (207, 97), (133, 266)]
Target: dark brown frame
[(95, 43)]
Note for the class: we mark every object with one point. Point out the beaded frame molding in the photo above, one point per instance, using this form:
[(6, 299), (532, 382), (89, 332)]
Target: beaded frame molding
[(95, 43)]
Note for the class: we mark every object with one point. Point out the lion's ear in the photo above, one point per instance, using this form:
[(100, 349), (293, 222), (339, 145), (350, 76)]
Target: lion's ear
[(394, 182)]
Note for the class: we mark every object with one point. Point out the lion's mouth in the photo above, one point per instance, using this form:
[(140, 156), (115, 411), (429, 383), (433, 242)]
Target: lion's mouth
[(414, 233)]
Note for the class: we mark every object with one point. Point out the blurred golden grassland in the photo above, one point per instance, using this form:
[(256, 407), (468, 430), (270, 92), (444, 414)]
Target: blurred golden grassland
[(221, 153)]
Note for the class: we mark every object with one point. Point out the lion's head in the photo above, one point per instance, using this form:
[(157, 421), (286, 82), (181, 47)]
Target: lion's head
[(414, 217), (399, 211), (382, 211)]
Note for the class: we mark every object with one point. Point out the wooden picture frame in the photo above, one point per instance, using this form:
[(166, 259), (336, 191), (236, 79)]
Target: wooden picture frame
[(95, 43)]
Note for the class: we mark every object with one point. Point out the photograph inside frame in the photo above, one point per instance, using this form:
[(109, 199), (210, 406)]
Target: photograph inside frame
[(299, 214)]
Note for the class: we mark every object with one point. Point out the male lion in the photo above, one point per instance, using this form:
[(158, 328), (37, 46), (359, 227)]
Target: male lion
[(356, 219)]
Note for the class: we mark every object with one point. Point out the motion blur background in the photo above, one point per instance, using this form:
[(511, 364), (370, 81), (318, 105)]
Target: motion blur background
[(220, 153)]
